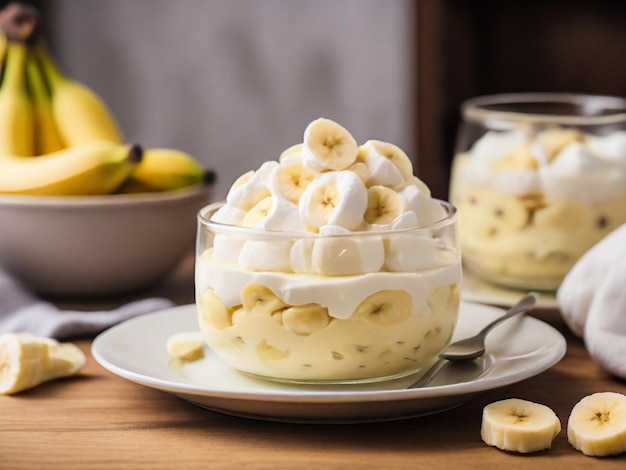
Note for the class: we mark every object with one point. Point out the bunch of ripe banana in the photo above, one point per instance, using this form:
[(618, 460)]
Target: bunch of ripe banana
[(58, 137)]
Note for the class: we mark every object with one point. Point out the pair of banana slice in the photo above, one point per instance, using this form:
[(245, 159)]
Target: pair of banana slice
[(596, 425)]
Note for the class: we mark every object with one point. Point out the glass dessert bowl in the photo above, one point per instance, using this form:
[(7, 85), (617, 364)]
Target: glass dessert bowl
[(538, 179), (317, 271)]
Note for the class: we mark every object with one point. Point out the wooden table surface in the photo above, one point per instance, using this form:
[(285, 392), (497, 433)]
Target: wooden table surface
[(101, 421)]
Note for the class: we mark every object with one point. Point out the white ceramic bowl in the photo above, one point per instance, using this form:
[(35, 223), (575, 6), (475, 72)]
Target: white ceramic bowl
[(97, 245)]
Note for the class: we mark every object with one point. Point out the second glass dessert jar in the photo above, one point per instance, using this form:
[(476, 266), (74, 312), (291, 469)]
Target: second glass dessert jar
[(538, 179)]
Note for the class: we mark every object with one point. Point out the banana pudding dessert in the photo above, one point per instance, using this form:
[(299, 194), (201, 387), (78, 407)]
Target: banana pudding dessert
[(332, 263), (532, 200)]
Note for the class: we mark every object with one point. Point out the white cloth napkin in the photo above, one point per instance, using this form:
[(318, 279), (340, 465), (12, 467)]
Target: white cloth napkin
[(592, 299), (22, 311)]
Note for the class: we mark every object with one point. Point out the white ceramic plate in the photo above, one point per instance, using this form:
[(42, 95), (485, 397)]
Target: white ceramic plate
[(475, 289), (517, 349)]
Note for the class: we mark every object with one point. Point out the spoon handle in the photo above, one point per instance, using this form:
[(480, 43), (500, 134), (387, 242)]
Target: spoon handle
[(526, 303), (431, 373), (523, 305)]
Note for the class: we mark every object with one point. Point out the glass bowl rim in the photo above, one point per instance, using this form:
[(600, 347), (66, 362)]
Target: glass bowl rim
[(473, 108), (218, 227)]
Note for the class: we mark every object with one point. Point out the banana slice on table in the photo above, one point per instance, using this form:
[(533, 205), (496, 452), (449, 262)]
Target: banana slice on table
[(597, 424), (334, 198), (186, 346), (27, 361), (519, 425), (386, 307), (328, 146), (387, 164), (257, 298), (384, 205)]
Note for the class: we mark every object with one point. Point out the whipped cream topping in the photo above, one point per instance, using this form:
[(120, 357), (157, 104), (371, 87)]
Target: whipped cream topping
[(495, 145), (569, 165), (331, 188), (612, 146), (340, 294), (329, 180)]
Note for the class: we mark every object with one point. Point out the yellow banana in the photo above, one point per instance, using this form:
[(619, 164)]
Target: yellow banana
[(3, 47), (47, 137), (165, 169), (16, 113), (81, 115), (96, 167)]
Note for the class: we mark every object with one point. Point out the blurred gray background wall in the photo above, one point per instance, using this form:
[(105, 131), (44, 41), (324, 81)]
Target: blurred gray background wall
[(234, 82)]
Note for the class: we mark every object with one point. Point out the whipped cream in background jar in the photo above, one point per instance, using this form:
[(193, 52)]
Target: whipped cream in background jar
[(330, 265), (538, 179)]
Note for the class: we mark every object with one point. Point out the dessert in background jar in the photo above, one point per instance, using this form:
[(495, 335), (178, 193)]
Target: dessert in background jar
[(330, 264), (538, 179)]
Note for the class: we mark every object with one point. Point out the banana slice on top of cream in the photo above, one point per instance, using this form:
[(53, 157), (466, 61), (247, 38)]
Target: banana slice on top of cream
[(329, 186), (328, 146)]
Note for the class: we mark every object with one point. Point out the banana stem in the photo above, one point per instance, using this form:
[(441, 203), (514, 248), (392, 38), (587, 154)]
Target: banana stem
[(209, 177), (19, 21), (135, 154)]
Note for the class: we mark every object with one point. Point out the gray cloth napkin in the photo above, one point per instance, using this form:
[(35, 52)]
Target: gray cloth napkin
[(22, 311), (592, 299)]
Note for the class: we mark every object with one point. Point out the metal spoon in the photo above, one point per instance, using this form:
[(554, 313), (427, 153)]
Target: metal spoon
[(473, 347)]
